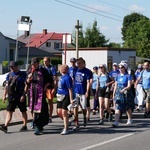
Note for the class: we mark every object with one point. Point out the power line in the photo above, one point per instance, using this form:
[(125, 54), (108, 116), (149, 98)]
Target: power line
[(113, 5), (88, 11), (93, 8)]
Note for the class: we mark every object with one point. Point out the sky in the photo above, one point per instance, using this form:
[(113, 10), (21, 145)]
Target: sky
[(62, 15)]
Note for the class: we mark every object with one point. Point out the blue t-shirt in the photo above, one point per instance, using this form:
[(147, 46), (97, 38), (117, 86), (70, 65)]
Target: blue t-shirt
[(51, 70), (114, 73), (145, 76), (103, 80), (95, 78), (137, 74), (81, 77), (64, 84), (122, 80), (72, 71)]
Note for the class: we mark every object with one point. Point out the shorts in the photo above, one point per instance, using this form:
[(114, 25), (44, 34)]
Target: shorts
[(147, 95), (82, 100), (103, 93), (64, 104), (50, 94), (16, 103)]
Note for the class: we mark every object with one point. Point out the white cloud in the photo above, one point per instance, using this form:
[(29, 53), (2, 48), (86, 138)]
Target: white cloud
[(95, 8), (136, 8), (104, 28)]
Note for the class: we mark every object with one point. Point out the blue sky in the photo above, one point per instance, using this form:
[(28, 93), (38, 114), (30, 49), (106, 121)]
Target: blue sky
[(57, 17)]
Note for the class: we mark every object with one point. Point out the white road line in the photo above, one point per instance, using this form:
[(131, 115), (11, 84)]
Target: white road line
[(109, 141)]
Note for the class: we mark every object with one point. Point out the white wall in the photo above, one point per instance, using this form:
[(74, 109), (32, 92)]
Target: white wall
[(121, 55), (92, 58)]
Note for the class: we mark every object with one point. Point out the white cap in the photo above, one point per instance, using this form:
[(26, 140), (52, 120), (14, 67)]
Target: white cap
[(115, 64), (123, 64)]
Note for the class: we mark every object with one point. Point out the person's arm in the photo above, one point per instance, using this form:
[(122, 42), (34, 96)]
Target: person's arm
[(127, 87), (136, 82), (87, 88), (115, 87), (70, 95)]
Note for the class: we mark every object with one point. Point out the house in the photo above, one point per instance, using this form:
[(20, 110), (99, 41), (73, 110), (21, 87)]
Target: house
[(49, 42), (101, 55), (8, 48)]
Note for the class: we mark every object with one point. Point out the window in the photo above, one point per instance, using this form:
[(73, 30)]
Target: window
[(57, 45), (48, 44)]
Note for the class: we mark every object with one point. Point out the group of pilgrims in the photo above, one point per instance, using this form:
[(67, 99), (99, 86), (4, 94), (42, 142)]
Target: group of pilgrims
[(119, 91)]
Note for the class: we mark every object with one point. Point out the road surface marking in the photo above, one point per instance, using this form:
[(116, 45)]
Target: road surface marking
[(109, 141)]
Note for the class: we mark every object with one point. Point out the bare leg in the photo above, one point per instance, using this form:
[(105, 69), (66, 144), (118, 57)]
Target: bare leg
[(8, 117), (24, 118)]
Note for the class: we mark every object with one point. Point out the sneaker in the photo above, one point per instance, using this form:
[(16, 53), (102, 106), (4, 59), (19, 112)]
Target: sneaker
[(3, 128), (94, 113), (70, 122), (50, 120), (64, 132), (32, 125), (110, 117), (75, 128), (129, 122), (115, 124), (23, 128), (101, 122), (37, 131)]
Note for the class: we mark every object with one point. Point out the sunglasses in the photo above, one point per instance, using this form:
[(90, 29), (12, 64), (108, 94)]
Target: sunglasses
[(101, 67), (121, 67)]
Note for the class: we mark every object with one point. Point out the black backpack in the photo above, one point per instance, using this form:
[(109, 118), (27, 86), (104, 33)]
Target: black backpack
[(13, 86)]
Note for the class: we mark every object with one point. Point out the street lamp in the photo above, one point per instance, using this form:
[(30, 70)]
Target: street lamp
[(24, 24)]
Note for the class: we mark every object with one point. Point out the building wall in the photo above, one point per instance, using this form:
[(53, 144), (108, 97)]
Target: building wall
[(4, 49), (92, 58), (51, 48), (118, 55)]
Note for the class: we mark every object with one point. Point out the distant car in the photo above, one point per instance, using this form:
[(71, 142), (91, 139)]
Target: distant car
[(3, 79)]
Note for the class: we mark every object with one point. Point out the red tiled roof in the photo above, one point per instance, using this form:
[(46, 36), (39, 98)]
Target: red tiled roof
[(39, 39)]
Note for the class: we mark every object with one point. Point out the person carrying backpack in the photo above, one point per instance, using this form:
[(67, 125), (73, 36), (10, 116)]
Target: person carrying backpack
[(15, 83)]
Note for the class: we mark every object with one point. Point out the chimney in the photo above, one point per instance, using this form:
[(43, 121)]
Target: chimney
[(44, 31), (26, 33)]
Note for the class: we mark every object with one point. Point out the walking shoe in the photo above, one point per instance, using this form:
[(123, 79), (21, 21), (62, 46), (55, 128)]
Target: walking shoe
[(94, 113), (23, 128), (64, 132), (76, 128), (115, 124), (32, 125), (110, 117), (37, 131), (101, 122), (3, 128), (129, 122)]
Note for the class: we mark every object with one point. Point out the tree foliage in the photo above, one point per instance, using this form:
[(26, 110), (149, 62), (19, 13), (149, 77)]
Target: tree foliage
[(138, 37), (91, 37), (130, 19)]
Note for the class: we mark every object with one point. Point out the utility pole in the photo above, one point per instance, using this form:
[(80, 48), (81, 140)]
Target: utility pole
[(77, 38)]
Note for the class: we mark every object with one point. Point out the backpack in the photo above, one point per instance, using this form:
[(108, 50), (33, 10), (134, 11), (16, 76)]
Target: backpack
[(13, 86)]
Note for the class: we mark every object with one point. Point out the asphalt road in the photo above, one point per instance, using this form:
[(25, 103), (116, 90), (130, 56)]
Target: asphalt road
[(92, 137)]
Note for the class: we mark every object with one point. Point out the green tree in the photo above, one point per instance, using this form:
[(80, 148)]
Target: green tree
[(130, 19), (138, 37), (115, 45), (5, 63), (93, 36)]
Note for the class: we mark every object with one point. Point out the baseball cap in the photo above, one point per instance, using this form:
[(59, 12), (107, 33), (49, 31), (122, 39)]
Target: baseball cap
[(95, 68), (34, 60), (13, 63), (123, 64), (72, 59), (115, 64), (124, 61)]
